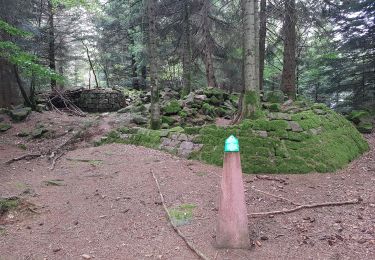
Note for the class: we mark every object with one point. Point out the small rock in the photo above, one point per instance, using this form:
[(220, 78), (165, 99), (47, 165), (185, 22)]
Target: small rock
[(86, 256), (56, 249), (258, 243), (362, 241), (75, 222), (295, 127), (288, 103), (264, 238)]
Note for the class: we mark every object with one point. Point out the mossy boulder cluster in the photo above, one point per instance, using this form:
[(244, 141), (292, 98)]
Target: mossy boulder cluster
[(363, 120), (198, 108), (315, 139), (299, 138)]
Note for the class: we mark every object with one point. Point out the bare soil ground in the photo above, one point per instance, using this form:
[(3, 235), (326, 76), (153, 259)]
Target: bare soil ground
[(106, 203)]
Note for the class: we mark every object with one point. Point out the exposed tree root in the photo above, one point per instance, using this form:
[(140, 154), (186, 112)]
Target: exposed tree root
[(24, 157), (308, 206), (188, 242)]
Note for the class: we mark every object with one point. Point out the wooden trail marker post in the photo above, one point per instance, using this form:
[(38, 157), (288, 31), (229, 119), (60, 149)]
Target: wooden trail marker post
[(232, 226)]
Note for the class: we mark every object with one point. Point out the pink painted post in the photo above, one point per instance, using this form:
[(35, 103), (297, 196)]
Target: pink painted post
[(232, 227)]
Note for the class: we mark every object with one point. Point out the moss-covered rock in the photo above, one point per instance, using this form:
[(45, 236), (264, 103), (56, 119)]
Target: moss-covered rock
[(363, 120), (208, 110), (275, 107), (4, 127), (283, 151), (172, 108), (19, 114), (276, 96)]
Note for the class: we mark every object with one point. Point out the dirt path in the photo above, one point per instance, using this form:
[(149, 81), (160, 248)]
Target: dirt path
[(109, 208)]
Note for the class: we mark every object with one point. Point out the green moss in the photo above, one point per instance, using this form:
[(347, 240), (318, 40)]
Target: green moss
[(252, 98), (168, 120), (208, 110), (4, 127), (8, 204), (182, 214), (172, 108), (275, 107), (365, 127), (276, 96), (192, 130), (284, 151), (183, 114)]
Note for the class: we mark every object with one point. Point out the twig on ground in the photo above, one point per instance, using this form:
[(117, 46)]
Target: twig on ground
[(188, 243), (275, 196), (308, 206), (269, 178), (24, 157)]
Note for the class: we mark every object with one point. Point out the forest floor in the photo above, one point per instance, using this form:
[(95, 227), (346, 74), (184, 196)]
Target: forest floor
[(103, 203)]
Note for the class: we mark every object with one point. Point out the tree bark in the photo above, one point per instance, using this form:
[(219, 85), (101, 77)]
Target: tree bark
[(262, 41), (9, 91), (186, 56), (207, 50), (51, 42), (288, 79), (152, 52), (91, 64), (249, 101)]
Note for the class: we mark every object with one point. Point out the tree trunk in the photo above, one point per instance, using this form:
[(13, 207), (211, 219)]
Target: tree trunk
[(288, 79), (91, 64), (207, 50), (9, 91), (249, 101), (262, 41), (186, 56), (22, 89), (152, 52), (51, 42)]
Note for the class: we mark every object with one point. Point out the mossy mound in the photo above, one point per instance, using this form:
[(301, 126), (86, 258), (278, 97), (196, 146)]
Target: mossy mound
[(314, 140), (300, 140)]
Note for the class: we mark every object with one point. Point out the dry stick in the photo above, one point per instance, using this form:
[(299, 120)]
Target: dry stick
[(308, 206), (55, 160), (275, 196), (188, 243), (24, 157)]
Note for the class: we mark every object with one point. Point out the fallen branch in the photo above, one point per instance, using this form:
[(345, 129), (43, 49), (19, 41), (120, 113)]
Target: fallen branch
[(275, 196), (308, 206), (24, 157), (188, 243), (270, 178)]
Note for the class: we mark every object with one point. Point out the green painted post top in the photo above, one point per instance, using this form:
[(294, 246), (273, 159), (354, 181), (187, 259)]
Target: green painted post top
[(231, 144)]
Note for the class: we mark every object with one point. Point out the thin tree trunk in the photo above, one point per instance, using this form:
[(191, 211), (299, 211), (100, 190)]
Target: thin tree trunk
[(91, 64), (51, 42), (186, 57), (208, 61), (262, 41), (249, 101), (288, 79), (135, 80), (152, 52), (22, 89)]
